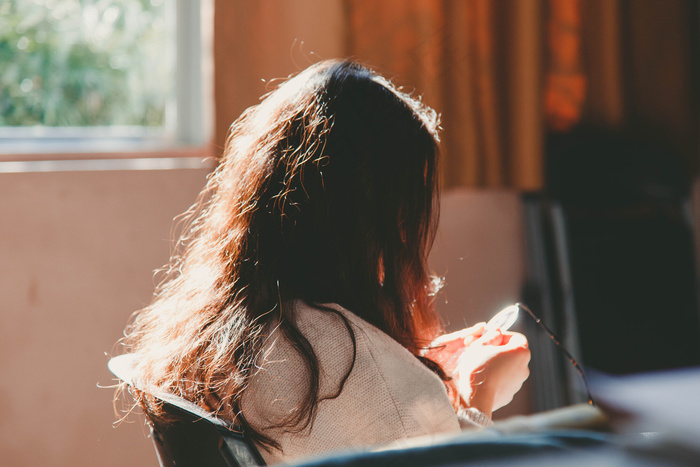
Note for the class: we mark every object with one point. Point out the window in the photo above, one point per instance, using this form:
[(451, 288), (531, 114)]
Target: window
[(100, 75)]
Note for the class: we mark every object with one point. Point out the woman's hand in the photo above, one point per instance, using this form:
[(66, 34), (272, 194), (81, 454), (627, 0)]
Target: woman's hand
[(491, 369), (446, 349)]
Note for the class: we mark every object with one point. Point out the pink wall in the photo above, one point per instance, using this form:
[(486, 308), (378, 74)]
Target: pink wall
[(479, 250), (77, 254), (78, 250)]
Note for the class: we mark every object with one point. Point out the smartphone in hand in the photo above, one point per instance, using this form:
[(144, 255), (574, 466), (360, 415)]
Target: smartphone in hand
[(504, 319)]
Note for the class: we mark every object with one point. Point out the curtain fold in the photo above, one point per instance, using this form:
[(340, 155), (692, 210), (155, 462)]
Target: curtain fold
[(478, 63), (502, 73)]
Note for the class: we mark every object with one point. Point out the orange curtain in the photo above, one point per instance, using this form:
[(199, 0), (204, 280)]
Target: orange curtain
[(478, 63), (565, 88), (259, 42), (502, 73)]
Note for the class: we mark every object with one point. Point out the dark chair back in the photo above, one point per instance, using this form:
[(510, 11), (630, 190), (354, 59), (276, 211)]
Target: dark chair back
[(191, 436)]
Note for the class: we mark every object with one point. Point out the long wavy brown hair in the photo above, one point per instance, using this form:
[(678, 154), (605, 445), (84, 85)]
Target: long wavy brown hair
[(327, 193)]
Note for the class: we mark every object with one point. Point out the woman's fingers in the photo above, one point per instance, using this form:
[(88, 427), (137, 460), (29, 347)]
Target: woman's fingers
[(502, 338), (446, 349), (515, 339), (493, 369), (461, 335), (490, 337), (475, 333)]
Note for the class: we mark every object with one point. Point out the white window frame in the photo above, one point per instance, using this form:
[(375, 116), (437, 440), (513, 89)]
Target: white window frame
[(190, 138)]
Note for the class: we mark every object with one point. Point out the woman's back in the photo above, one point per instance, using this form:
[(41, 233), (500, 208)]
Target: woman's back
[(388, 395)]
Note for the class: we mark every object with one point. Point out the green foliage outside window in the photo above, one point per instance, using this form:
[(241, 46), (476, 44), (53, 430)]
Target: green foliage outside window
[(84, 63)]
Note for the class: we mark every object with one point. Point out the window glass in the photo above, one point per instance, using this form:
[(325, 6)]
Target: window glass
[(87, 64)]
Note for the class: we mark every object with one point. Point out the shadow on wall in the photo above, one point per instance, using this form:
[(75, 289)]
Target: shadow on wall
[(623, 207)]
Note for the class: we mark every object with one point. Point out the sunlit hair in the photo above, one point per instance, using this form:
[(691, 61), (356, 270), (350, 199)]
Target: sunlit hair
[(326, 193)]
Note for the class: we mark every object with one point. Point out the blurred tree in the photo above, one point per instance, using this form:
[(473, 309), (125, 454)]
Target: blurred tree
[(84, 62)]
